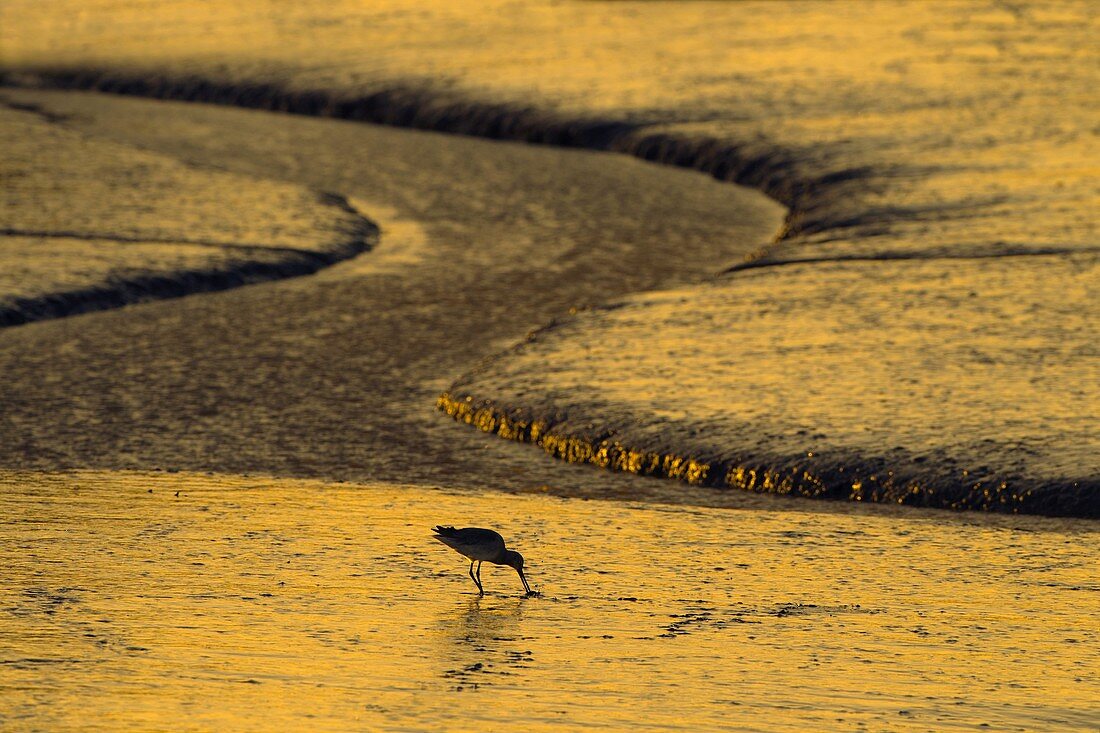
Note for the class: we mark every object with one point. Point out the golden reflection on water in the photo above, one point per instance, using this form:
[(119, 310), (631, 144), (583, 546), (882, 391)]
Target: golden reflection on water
[(249, 603)]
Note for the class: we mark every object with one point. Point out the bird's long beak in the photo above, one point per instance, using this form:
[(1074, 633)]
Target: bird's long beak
[(525, 585)]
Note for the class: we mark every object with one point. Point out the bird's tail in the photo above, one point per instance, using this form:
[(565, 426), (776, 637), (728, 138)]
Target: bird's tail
[(447, 531)]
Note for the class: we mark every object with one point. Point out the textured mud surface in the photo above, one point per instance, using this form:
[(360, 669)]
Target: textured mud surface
[(336, 374), (199, 602), (935, 135), (874, 382), (89, 224)]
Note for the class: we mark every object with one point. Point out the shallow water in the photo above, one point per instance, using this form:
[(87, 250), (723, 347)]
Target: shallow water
[(259, 603)]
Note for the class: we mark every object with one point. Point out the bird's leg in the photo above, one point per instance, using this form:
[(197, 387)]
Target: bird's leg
[(479, 579), (474, 578)]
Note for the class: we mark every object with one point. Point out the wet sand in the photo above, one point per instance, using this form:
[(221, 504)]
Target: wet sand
[(966, 399), (934, 135), (890, 126), (262, 604), (335, 375)]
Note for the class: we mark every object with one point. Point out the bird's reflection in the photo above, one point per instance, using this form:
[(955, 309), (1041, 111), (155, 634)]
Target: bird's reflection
[(484, 640)]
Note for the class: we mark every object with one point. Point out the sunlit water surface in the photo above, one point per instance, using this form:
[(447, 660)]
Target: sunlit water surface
[(212, 602)]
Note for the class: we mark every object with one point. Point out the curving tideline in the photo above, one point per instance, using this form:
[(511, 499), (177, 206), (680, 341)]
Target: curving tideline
[(950, 398)]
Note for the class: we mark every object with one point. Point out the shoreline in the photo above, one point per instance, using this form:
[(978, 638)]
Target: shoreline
[(851, 479)]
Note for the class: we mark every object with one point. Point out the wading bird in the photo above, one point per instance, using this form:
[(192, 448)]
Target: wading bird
[(481, 545)]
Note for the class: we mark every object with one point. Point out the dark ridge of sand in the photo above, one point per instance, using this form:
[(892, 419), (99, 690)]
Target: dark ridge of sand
[(611, 437), (131, 290), (843, 204), (90, 225)]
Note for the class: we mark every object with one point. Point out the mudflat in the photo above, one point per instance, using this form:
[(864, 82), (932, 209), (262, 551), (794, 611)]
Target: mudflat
[(335, 375), (928, 136), (920, 317)]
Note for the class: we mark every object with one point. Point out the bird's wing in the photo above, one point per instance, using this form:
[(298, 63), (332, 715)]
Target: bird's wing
[(473, 542), (479, 536)]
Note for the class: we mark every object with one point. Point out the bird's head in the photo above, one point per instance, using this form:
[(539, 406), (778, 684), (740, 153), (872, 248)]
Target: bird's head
[(514, 559)]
